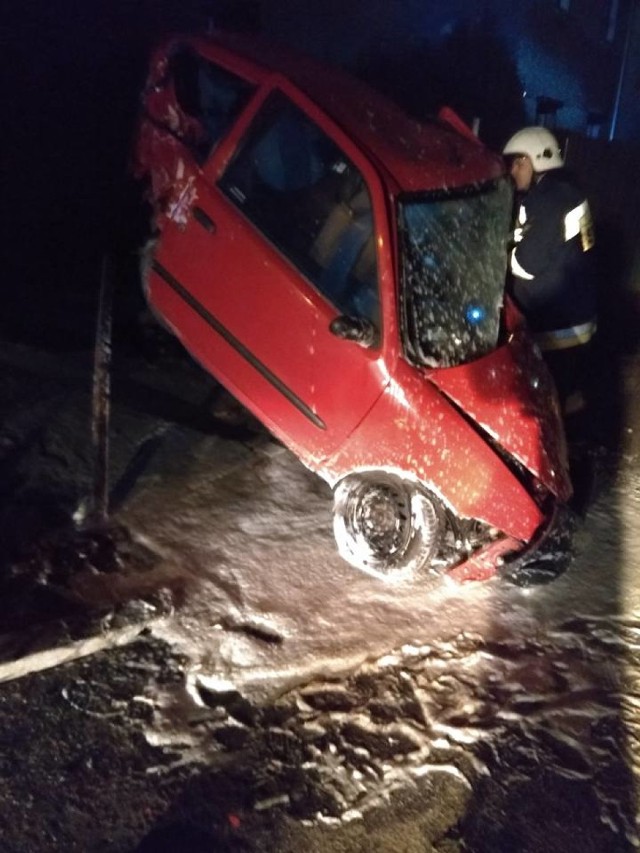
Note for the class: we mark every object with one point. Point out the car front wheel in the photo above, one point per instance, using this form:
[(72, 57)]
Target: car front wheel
[(384, 525)]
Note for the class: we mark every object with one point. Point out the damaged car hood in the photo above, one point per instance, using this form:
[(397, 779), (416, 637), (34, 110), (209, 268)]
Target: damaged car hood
[(510, 395)]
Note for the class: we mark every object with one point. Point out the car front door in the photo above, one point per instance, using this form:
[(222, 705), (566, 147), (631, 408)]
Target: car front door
[(269, 247)]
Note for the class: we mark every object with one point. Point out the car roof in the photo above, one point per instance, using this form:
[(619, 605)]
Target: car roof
[(419, 156)]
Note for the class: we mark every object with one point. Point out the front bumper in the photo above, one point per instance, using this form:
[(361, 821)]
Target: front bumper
[(547, 556), (542, 560)]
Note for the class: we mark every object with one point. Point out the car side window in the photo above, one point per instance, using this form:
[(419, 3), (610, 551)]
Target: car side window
[(210, 97), (301, 191)]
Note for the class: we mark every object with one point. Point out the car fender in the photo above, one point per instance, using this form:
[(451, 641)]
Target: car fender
[(415, 432)]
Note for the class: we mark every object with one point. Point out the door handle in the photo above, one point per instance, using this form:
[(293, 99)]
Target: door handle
[(204, 219)]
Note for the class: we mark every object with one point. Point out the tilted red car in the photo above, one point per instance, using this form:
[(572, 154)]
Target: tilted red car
[(340, 269)]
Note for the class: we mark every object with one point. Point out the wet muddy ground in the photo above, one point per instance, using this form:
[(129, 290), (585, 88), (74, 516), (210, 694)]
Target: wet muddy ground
[(206, 674)]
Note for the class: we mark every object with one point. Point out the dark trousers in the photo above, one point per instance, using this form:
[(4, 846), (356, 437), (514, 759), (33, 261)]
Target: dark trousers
[(570, 369), (573, 373)]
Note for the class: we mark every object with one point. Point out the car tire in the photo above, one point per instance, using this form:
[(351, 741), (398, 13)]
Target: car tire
[(386, 526)]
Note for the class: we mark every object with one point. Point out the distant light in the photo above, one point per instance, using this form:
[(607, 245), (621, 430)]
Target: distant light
[(475, 314)]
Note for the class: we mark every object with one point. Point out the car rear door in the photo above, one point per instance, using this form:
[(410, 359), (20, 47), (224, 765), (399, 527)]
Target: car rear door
[(265, 249)]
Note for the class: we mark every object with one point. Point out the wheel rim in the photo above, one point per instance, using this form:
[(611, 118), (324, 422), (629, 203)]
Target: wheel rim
[(384, 525), (380, 515)]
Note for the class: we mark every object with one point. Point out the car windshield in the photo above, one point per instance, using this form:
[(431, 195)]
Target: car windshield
[(453, 267)]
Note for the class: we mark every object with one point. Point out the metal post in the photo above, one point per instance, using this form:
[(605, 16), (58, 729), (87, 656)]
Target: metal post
[(623, 68), (101, 397)]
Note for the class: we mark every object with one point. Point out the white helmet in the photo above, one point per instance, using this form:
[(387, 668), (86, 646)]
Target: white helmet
[(539, 144)]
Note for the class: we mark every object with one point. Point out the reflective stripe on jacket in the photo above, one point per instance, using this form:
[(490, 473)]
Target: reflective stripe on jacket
[(552, 264), (578, 221), (565, 338)]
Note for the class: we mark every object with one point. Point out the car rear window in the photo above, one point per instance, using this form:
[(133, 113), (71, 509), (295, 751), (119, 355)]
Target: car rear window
[(208, 93)]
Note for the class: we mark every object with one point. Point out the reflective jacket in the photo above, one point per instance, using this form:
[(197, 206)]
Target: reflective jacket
[(552, 262)]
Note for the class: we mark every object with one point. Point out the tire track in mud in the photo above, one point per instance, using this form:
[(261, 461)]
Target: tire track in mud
[(490, 720)]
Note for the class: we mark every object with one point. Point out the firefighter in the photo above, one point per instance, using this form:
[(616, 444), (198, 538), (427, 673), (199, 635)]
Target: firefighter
[(552, 264)]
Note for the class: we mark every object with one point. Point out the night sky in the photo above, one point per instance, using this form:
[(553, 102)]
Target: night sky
[(75, 70)]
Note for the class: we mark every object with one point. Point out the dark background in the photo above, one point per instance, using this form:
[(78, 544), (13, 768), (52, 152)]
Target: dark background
[(73, 71)]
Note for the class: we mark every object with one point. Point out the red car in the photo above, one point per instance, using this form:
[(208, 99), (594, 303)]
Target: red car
[(340, 269)]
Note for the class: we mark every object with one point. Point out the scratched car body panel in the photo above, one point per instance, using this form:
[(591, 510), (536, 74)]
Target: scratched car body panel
[(340, 269)]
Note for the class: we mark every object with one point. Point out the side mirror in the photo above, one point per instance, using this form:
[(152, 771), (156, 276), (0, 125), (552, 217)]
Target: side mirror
[(356, 329)]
